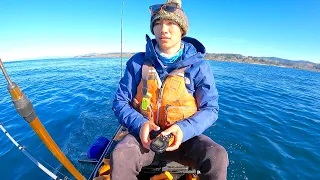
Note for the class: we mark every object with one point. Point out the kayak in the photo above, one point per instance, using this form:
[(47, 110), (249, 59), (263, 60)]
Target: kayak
[(158, 170)]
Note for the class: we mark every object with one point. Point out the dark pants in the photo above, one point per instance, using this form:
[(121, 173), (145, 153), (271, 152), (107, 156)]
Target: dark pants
[(200, 153)]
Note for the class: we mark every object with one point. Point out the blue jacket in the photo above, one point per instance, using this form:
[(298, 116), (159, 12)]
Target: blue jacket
[(201, 86)]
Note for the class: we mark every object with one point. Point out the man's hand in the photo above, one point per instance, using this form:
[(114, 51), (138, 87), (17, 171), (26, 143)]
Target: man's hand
[(177, 134), (145, 133)]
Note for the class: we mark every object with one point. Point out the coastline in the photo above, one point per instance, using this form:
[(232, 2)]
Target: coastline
[(268, 61)]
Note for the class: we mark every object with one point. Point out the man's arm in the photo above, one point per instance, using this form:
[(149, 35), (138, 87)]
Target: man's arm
[(126, 91), (206, 95)]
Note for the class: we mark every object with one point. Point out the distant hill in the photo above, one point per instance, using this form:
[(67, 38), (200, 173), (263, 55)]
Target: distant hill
[(105, 55), (286, 60), (272, 61)]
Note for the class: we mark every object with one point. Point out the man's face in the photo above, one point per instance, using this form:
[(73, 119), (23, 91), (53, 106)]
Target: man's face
[(168, 35)]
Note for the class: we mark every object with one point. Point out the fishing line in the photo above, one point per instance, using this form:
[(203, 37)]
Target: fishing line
[(43, 161), (26, 153), (56, 170), (121, 38)]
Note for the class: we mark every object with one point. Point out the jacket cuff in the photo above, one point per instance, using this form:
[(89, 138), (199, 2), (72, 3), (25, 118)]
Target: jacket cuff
[(186, 130), (137, 126)]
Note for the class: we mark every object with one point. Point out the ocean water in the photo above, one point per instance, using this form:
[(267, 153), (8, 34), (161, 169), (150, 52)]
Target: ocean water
[(268, 121)]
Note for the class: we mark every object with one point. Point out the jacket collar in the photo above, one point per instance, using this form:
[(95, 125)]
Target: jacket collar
[(193, 51)]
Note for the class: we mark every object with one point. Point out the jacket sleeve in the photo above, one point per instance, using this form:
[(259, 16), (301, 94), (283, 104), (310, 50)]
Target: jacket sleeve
[(122, 108), (206, 95)]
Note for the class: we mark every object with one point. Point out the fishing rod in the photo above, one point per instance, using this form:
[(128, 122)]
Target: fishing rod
[(44, 169), (122, 5), (25, 109)]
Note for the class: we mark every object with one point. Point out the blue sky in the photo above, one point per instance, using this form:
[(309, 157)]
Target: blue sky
[(37, 28)]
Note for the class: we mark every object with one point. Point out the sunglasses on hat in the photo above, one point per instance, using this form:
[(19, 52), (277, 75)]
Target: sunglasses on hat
[(169, 7)]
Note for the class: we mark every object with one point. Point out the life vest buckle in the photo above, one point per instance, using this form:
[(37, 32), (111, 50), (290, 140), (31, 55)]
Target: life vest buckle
[(146, 101)]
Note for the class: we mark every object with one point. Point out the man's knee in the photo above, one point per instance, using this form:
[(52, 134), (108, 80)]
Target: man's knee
[(126, 152), (215, 163), (209, 152), (213, 150), (218, 156), (124, 163)]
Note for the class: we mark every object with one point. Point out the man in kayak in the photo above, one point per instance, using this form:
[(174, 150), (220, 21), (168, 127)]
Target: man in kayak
[(170, 89)]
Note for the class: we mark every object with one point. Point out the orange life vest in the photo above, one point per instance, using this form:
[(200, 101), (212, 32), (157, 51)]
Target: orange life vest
[(164, 103)]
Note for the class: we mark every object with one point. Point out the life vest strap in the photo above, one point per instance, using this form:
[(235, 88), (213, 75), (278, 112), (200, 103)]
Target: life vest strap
[(144, 78)]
